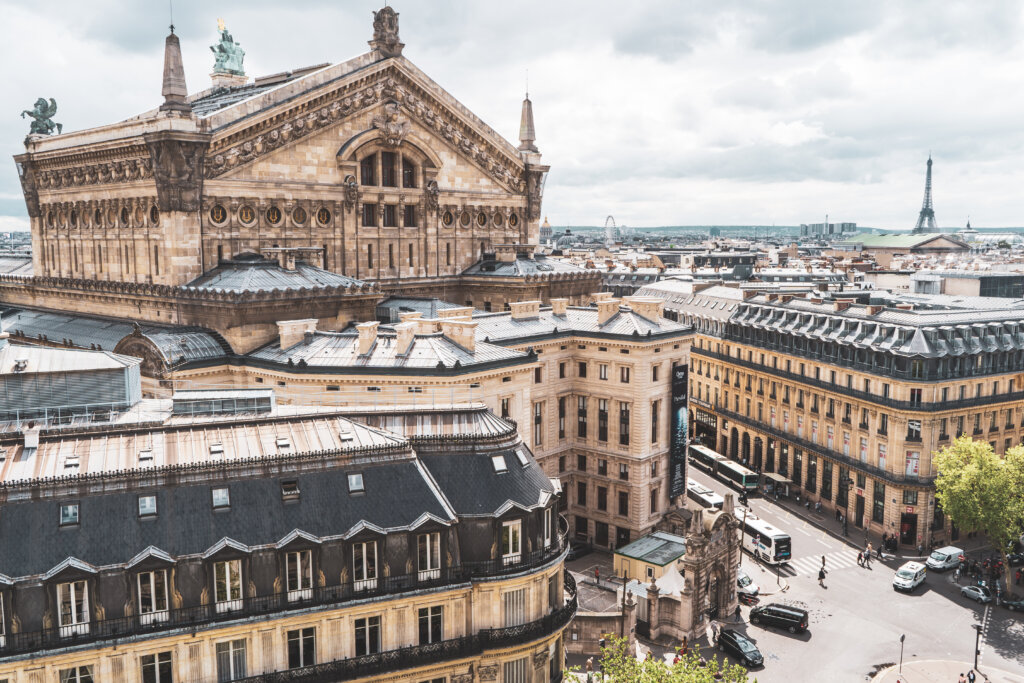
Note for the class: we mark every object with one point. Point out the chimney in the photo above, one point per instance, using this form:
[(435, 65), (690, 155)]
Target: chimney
[(601, 296), (462, 313), (367, 336), (505, 253), (525, 310), (749, 294), (409, 315), (905, 307), (527, 133), (875, 309), (840, 305), (406, 335), (174, 90), (606, 308), (558, 306), (650, 307), (291, 332), (461, 332)]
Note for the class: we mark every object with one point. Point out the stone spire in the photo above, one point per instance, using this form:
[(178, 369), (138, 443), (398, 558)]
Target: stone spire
[(174, 90), (527, 134)]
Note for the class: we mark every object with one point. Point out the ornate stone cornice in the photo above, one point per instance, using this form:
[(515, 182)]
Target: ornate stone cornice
[(105, 173), (391, 86)]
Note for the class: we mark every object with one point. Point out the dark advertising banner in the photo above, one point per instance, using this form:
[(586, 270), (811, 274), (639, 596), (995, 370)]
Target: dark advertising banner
[(677, 444)]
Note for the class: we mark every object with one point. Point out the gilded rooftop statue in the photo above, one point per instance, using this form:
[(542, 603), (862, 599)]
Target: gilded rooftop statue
[(228, 53)]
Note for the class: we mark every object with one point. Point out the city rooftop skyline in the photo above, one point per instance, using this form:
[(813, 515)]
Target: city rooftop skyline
[(713, 113)]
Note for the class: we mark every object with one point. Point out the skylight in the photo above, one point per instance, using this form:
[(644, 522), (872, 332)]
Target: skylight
[(499, 463), (355, 483)]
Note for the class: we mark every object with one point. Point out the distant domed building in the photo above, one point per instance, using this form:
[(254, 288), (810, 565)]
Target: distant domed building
[(545, 231)]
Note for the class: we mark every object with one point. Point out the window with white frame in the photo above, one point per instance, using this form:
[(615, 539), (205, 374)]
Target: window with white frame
[(227, 583), (153, 596), (513, 607), (231, 660), (76, 674), (157, 668), (221, 497), (364, 565), (548, 523), (367, 634), (73, 602), (511, 542), (301, 647), (69, 515), (147, 506), (429, 550), (299, 574)]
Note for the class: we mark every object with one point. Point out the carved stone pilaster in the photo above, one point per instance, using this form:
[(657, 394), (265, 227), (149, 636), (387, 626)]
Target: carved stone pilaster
[(534, 190), (463, 678), (29, 186), (488, 672), (177, 162), (540, 659)]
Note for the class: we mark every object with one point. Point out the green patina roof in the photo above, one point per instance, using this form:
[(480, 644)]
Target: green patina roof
[(658, 548)]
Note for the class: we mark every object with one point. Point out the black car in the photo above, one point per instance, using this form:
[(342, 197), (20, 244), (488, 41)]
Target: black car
[(737, 645), (792, 619), (1014, 605), (1015, 559)]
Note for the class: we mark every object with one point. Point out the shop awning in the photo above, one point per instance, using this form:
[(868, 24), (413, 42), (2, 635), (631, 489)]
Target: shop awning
[(777, 478)]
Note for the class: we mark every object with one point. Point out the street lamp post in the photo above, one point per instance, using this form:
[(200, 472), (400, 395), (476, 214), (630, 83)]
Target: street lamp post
[(902, 638)]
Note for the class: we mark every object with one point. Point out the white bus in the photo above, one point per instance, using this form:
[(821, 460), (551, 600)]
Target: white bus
[(703, 496), (763, 541)]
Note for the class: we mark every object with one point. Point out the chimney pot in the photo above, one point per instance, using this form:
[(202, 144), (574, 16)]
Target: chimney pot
[(367, 336), (606, 309), (406, 336), (291, 332), (558, 306), (525, 310)]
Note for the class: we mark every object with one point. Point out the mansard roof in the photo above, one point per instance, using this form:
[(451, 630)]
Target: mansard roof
[(522, 266), (626, 324), (261, 274)]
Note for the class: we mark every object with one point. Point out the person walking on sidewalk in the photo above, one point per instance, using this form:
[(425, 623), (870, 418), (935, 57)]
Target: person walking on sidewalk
[(867, 557), (970, 676), (821, 576)]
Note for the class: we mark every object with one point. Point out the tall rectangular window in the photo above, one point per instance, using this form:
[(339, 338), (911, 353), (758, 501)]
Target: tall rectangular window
[(369, 215), (623, 423), (408, 173), (73, 600), (153, 596), (227, 583), (655, 415), (602, 371), (299, 574), (156, 668), (623, 503), (549, 521), (368, 170), (511, 542), (429, 553), (878, 509), (561, 417), (581, 493), (369, 256), (390, 216), (364, 565), (516, 671), (538, 423), (367, 632), (581, 417), (602, 498), (301, 647), (231, 660), (388, 176), (431, 625), (513, 607), (391, 255), (581, 369), (602, 419), (77, 674), (654, 500)]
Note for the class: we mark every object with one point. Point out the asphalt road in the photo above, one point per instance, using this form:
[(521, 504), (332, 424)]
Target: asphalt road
[(857, 619)]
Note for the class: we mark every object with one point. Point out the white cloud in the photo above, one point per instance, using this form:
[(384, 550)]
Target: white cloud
[(659, 112)]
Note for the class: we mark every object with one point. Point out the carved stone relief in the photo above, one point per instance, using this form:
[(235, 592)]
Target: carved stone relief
[(178, 170)]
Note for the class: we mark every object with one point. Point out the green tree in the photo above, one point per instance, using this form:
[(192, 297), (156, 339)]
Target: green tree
[(982, 491), (1003, 244), (620, 665)]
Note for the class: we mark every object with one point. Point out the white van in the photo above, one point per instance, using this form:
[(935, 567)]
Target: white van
[(944, 558), (909, 576)]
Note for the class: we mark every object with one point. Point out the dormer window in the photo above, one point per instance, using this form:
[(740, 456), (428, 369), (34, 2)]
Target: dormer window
[(73, 608), (364, 565), (290, 489), (221, 497), (153, 596), (499, 463), (521, 455), (69, 514), (147, 506), (299, 575), (227, 585), (429, 552), (511, 542), (355, 483)]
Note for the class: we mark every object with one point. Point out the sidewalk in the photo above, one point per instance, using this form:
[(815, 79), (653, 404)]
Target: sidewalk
[(940, 671), (859, 538)]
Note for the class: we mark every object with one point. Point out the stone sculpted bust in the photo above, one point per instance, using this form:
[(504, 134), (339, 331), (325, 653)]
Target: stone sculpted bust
[(228, 53), (42, 117)]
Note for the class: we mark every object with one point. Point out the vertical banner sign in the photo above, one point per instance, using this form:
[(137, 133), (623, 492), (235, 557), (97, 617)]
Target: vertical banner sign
[(677, 445)]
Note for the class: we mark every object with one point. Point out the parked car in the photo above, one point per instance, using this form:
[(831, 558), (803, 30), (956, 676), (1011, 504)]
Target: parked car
[(1014, 605), (577, 549), (736, 644), (979, 593), (944, 558), (744, 584), (1015, 559), (792, 619)]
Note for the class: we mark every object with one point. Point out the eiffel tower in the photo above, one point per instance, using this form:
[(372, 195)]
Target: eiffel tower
[(926, 219)]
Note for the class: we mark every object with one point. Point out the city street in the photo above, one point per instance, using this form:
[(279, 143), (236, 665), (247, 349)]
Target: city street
[(857, 619)]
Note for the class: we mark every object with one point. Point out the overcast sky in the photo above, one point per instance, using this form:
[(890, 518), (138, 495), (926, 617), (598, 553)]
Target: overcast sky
[(659, 112)]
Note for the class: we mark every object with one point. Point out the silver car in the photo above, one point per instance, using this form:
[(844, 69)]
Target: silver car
[(978, 593)]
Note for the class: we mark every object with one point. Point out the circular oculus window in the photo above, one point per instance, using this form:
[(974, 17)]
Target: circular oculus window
[(323, 215), (218, 214), (273, 215), (299, 215)]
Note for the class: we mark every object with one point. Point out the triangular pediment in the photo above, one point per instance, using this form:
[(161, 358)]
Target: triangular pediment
[(338, 103)]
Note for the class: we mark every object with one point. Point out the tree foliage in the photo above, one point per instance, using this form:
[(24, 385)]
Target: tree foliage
[(620, 665), (981, 491)]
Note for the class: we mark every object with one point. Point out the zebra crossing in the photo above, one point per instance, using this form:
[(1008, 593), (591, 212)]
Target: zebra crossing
[(838, 559)]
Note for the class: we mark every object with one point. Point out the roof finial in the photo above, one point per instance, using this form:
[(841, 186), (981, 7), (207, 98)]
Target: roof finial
[(527, 133), (174, 90), (170, 13)]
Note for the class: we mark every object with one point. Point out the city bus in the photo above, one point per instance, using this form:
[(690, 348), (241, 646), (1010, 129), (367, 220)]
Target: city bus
[(705, 457), (703, 496), (763, 541), (739, 476)]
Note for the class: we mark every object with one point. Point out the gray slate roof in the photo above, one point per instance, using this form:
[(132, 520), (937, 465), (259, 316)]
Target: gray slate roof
[(341, 350), (502, 327), (16, 265), (522, 266), (265, 275), (110, 531), (473, 487)]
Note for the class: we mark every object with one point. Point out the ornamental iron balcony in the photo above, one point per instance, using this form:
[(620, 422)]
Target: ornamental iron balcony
[(262, 606), (419, 655)]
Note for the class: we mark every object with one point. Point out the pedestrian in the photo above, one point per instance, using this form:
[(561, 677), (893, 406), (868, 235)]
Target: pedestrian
[(685, 648), (970, 676), (821, 576), (597, 575), (962, 679), (822, 561), (867, 557), (860, 558), (879, 553), (590, 670)]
